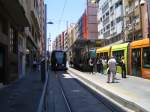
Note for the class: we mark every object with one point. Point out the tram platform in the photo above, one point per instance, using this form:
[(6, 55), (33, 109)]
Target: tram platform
[(131, 93)]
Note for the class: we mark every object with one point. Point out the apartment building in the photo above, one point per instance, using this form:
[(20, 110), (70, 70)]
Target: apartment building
[(110, 21), (136, 19)]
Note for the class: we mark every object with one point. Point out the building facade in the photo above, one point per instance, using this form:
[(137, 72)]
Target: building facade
[(11, 32), (20, 39), (110, 21), (134, 21)]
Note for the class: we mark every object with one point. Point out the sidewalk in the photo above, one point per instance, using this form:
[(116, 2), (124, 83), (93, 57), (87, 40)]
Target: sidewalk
[(132, 92), (23, 95)]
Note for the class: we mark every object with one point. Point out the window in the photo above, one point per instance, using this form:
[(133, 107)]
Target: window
[(108, 27), (118, 19), (146, 57), (118, 55), (112, 23), (107, 13), (111, 8), (101, 19), (104, 29), (118, 4), (103, 16), (13, 40)]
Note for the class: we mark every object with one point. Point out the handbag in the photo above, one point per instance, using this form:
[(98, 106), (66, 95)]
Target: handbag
[(108, 71)]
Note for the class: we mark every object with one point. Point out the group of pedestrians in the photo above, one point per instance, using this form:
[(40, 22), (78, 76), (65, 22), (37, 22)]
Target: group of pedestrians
[(111, 67), (98, 63)]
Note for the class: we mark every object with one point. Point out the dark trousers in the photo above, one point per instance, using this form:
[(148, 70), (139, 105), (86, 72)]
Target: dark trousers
[(91, 69), (123, 72), (98, 68)]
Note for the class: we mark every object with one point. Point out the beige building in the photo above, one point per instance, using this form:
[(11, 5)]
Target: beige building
[(135, 19)]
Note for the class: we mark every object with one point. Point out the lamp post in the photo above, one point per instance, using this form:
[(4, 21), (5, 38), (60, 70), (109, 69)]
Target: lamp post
[(44, 64), (50, 22)]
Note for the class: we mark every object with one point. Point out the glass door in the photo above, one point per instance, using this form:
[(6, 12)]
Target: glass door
[(136, 62)]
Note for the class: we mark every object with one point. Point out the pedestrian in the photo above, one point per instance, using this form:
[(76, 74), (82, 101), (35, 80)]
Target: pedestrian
[(123, 67), (34, 65), (91, 64), (112, 69), (104, 66), (71, 62), (99, 65)]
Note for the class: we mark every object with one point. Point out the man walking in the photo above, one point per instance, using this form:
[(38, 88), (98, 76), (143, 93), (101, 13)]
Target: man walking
[(112, 69)]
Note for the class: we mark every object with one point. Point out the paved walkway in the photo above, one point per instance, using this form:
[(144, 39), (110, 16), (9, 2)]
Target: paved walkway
[(132, 92), (23, 95)]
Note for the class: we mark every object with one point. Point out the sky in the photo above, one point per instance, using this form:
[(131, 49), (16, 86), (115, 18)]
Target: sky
[(61, 14)]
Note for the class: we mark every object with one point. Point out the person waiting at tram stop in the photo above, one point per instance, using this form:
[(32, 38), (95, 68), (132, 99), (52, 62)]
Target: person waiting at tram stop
[(91, 64), (99, 65), (111, 70), (123, 67)]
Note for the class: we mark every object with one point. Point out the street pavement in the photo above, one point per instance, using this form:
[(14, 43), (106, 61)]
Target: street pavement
[(23, 95), (131, 92)]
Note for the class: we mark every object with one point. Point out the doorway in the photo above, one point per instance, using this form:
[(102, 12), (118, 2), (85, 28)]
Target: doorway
[(136, 62)]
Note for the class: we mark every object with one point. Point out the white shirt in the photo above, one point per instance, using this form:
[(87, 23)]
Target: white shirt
[(112, 64)]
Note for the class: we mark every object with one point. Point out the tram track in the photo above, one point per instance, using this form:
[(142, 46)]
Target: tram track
[(74, 93), (67, 103), (102, 100)]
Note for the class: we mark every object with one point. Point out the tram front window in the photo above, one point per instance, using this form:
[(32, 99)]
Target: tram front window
[(146, 57), (59, 57)]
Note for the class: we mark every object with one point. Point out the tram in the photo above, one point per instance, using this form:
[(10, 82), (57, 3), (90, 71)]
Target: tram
[(118, 51), (58, 60), (136, 55), (104, 52), (140, 58)]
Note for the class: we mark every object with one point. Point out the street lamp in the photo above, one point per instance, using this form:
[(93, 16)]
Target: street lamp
[(50, 22), (45, 48), (93, 1)]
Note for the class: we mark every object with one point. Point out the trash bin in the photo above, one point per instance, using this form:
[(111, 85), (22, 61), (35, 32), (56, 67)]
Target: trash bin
[(43, 71)]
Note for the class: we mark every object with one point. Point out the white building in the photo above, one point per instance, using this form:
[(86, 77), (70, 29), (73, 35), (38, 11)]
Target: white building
[(110, 21)]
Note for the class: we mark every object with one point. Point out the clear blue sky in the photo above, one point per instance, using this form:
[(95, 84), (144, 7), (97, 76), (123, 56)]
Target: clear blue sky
[(72, 12)]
